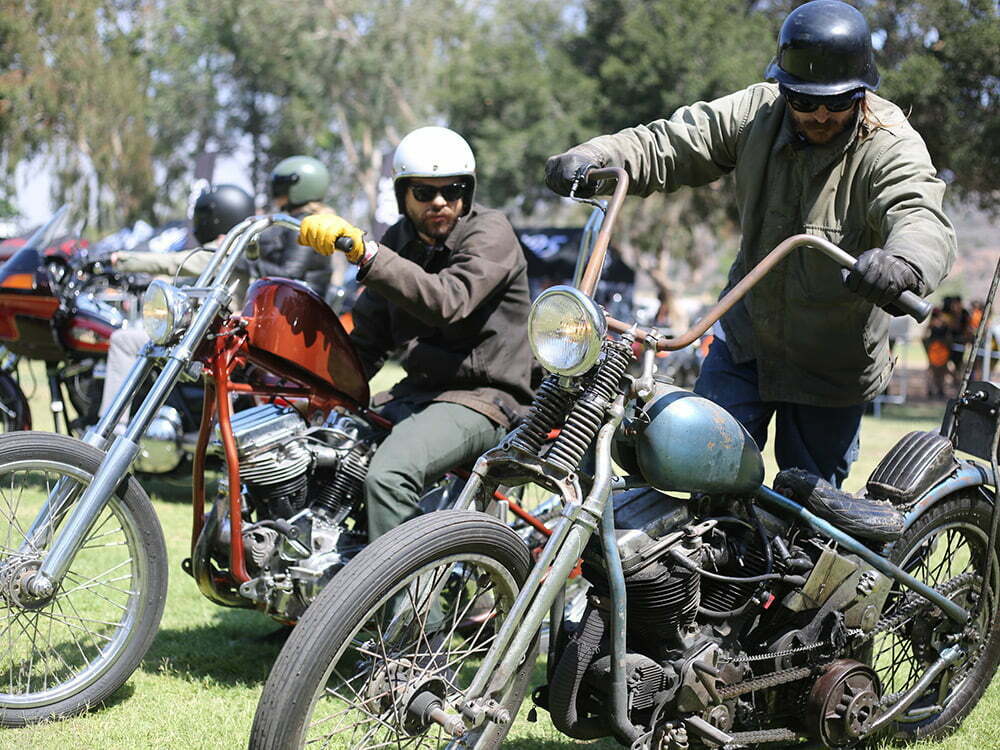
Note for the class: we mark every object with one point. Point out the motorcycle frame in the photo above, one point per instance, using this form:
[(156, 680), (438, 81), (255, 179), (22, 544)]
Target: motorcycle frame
[(582, 516)]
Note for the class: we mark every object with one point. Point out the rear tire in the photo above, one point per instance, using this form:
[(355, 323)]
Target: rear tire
[(69, 652), (469, 554), (947, 544)]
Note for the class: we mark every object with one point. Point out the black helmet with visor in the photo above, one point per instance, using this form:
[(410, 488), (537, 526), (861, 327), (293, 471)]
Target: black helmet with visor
[(824, 49)]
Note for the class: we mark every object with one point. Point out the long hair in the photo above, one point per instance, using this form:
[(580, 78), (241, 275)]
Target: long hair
[(870, 122)]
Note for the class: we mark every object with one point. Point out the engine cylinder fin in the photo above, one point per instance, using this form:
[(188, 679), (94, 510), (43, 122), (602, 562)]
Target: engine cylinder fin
[(339, 495)]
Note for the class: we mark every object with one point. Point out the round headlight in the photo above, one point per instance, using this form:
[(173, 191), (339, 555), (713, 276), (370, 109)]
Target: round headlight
[(565, 330), (166, 312)]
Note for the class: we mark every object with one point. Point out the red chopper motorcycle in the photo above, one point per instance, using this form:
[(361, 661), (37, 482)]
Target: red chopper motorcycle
[(83, 570), (49, 310)]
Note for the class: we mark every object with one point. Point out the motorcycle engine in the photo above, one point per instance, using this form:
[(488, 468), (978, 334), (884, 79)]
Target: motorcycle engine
[(698, 631), (300, 485)]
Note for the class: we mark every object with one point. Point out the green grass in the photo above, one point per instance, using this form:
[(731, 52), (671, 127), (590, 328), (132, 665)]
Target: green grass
[(199, 684)]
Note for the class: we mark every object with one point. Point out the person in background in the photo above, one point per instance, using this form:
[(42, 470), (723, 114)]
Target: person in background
[(937, 344), (216, 211), (298, 187)]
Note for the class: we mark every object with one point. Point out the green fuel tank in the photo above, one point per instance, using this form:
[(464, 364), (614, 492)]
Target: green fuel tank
[(681, 442)]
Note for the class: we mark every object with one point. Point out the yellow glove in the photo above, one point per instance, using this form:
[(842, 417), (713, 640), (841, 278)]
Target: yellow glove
[(321, 231)]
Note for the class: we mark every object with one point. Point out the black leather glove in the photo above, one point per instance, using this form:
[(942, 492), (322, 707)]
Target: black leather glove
[(562, 170), (880, 277)]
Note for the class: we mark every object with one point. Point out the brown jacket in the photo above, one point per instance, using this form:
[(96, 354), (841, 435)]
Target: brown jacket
[(814, 341), (459, 314)]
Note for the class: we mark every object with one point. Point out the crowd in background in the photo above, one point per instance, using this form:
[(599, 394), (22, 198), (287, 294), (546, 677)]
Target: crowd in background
[(952, 330)]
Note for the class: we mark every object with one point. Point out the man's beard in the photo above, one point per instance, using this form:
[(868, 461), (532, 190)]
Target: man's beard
[(437, 231)]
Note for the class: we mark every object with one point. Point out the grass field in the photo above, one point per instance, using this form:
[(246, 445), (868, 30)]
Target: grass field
[(199, 684)]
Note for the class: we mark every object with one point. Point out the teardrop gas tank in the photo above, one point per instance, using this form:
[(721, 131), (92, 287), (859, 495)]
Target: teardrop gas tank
[(685, 443), (292, 332)]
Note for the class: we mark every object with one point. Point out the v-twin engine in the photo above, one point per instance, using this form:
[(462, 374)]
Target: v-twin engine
[(300, 486)]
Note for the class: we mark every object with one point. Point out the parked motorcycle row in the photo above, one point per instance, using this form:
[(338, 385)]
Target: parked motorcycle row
[(720, 612)]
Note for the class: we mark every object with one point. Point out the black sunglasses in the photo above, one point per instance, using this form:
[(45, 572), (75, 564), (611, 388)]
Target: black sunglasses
[(425, 193), (806, 103)]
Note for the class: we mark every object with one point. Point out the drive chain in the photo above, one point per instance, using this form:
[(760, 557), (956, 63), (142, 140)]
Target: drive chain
[(764, 682)]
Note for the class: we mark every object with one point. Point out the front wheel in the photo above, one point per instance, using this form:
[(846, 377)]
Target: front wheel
[(68, 651), (406, 620)]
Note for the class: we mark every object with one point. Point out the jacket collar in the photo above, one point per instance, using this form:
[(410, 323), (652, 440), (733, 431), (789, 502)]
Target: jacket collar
[(817, 156)]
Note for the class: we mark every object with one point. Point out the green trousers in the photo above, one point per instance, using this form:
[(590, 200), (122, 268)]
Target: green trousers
[(427, 441)]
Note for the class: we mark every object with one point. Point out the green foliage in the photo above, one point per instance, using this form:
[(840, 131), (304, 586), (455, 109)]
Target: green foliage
[(940, 61), (516, 93), (120, 96)]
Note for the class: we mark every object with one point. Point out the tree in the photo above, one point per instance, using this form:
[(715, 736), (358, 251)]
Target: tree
[(648, 59), (940, 62), (74, 90)]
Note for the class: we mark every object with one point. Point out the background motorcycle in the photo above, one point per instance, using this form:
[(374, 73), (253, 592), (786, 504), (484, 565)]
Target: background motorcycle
[(83, 565), (722, 613), (60, 304), (49, 311)]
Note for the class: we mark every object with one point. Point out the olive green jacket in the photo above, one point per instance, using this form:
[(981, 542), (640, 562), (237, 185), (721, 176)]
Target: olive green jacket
[(814, 341)]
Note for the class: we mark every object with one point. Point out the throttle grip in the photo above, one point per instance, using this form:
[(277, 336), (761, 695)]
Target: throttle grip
[(344, 243), (909, 303)]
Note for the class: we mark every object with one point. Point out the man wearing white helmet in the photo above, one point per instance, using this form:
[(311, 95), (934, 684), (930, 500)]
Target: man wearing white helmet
[(447, 288)]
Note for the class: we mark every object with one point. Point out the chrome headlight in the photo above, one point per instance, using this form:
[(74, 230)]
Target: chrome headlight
[(565, 330), (166, 312)]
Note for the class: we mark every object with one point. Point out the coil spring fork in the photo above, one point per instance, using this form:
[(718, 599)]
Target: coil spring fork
[(588, 413)]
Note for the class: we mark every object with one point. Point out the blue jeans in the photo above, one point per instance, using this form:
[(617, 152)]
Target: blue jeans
[(823, 440)]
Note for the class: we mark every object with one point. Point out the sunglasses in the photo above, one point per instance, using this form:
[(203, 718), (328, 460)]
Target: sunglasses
[(805, 103), (425, 193)]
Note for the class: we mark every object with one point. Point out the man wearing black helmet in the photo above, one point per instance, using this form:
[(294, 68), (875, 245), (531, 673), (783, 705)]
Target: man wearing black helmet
[(216, 211), (814, 151), (298, 187)]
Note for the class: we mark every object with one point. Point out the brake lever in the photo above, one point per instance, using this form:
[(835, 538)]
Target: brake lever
[(581, 177)]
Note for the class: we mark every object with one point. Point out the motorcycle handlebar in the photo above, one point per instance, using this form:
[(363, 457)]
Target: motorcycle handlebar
[(908, 302)]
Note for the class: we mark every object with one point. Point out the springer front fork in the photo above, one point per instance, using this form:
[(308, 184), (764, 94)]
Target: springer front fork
[(546, 583)]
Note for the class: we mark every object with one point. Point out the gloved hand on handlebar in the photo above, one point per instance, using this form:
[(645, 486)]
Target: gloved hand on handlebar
[(321, 232), (881, 277), (562, 170)]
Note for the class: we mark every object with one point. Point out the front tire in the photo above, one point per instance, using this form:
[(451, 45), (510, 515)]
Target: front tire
[(371, 623), (70, 651)]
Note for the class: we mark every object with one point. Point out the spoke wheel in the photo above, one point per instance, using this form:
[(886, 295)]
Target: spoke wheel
[(401, 629), (946, 549), (65, 652)]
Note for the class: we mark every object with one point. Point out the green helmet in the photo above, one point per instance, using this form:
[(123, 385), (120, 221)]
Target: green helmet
[(301, 178)]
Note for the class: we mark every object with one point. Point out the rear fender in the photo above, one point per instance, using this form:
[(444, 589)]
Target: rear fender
[(969, 474)]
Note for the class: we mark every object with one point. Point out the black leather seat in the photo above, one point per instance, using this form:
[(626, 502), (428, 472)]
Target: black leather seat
[(859, 516)]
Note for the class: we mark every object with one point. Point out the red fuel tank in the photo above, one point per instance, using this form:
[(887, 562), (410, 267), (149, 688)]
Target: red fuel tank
[(293, 333)]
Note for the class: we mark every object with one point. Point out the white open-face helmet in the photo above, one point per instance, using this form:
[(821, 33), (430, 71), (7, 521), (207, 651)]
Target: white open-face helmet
[(433, 152)]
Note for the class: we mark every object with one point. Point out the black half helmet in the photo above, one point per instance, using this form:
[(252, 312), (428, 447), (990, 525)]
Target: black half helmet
[(824, 49), (218, 210)]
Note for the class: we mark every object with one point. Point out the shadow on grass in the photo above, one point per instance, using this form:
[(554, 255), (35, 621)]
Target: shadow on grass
[(237, 648)]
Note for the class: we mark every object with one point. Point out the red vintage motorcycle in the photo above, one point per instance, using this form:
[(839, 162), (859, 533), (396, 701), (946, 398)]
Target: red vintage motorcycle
[(85, 563), (50, 311)]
